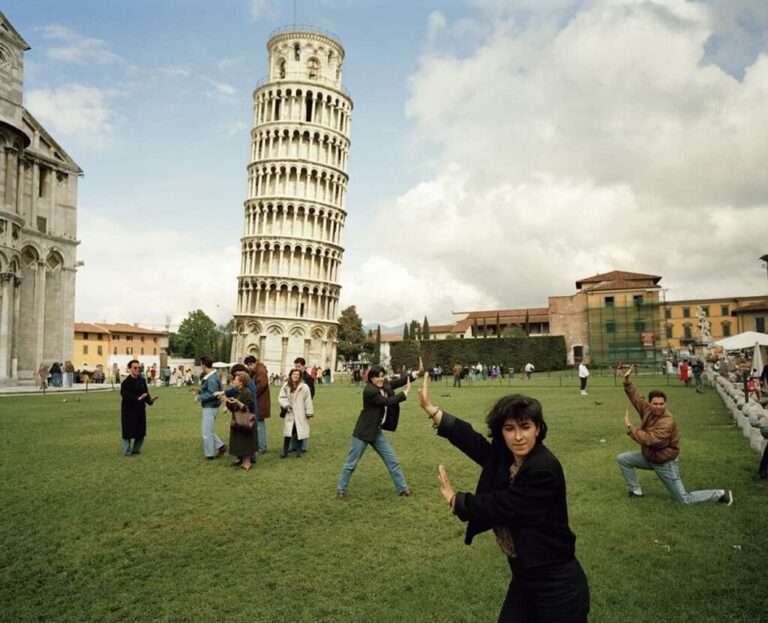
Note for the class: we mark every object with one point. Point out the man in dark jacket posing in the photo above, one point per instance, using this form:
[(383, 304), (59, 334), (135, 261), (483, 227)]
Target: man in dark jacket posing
[(133, 409)]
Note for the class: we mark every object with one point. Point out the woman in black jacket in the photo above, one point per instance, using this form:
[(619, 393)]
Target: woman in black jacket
[(521, 497), (379, 402)]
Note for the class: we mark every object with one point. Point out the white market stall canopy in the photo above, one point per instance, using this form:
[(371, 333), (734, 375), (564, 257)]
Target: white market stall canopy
[(748, 339)]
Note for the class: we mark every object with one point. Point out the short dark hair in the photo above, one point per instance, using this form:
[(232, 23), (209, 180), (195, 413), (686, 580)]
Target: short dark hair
[(249, 360), (206, 361), (300, 360), (132, 361), (656, 393), (519, 408), (238, 367), (374, 371)]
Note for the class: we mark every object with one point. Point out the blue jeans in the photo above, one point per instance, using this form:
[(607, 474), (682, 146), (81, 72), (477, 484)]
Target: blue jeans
[(384, 450), (261, 428), (211, 441), (668, 473), (70, 379), (137, 443)]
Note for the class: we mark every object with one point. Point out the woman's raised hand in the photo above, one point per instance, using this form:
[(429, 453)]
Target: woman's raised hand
[(424, 400), (446, 489), (407, 386)]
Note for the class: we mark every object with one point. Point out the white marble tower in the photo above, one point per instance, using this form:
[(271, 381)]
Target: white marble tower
[(288, 289)]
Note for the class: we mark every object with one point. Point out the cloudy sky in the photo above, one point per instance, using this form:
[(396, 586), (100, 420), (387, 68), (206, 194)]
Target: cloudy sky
[(501, 149)]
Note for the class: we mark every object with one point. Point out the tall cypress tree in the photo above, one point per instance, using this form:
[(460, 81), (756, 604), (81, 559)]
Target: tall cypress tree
[(485, 327), (425, 329), (527, 323), (498, 325), (376, 358), (406, 336), (475, 329)]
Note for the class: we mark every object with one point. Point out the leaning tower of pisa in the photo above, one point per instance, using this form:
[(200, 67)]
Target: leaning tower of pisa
[(288, 289)]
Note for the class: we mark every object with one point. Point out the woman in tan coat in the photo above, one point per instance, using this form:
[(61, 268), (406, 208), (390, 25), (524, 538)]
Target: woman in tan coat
[(296, 400)]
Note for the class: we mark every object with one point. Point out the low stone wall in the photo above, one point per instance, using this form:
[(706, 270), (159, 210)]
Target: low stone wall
[(749, 415)]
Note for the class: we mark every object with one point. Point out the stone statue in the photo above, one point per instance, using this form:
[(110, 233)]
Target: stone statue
[(705, 328)]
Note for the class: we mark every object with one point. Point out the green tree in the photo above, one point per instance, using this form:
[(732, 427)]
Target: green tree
[(406, 335), (197, 336), (498, 325), (485, 327), (414, 330), (512, 330), (352, 337), (475, 328), (224, 340), (425, 329), (376, 357), (527, 323)]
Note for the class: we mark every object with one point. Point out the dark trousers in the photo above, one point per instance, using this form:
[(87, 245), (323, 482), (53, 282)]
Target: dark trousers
[(583, 382), (558, 594), (764, 463), (456, 380)]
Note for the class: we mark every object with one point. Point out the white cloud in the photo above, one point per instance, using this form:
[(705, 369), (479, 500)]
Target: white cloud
[(75, 48), (570, 147), (176, 71), (134, 273), (221, 92), (73, 109), (262, 10)]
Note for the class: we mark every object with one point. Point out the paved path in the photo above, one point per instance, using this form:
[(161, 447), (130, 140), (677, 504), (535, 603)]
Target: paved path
[(32, 390)]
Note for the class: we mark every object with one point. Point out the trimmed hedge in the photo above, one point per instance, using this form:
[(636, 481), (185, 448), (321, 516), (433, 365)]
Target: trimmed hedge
[(545, 352)]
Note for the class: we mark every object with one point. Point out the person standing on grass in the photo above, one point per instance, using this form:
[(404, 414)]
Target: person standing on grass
[(133, 409), (521, 496), (240, 397), (242, 444), (296, 399), (210, 384), (300, 364), (260, 379), (659, 443), (529, 368), (379, 402), (583, 376), (457, 375)]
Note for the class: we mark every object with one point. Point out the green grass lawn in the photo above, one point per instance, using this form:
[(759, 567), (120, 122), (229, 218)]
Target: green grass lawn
[(88, 535)]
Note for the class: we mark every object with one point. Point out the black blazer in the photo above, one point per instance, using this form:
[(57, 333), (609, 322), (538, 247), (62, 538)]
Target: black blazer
[(369, 421), (533, 507)]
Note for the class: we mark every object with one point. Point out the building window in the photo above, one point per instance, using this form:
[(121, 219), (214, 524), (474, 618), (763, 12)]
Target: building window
[(85, 349), (610, 326), (297, 52), (667, 314), (142, 338), (726, 329), (639, 326), (42, 224), (98, 337), (637, 300), (142, 351), (760, 324), (686, 312), (116, 337), (154, 351), (724, 310), (128, 338), (705, 309), (687, 331), (609, 301), (129, 350), (668, 331), (114, 350), (154, 340), (98, 350), (85, 336)]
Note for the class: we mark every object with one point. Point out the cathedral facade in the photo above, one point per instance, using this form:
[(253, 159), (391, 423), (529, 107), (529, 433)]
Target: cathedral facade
[(288, 288), (38, 224)]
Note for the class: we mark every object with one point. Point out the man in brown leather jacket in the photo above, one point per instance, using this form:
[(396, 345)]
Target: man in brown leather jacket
[(659, 443)]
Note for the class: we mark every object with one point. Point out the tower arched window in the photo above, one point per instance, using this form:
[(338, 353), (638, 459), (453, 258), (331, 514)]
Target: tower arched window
[(313, 68), (297, 52), (281, 68)]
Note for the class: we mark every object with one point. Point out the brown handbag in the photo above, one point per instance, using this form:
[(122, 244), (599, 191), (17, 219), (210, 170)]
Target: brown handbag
[(243, 420)]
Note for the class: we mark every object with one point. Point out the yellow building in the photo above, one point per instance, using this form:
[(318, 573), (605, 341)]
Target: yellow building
[(91, 346), (751, 315), (681, 319)]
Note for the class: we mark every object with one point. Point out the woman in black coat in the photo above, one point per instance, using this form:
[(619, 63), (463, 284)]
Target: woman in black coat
[(521, 497), (133, 409), (379, 403)]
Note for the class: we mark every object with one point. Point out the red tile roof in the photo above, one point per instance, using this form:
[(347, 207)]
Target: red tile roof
[(86, 327), (619, 284), (618, 276)]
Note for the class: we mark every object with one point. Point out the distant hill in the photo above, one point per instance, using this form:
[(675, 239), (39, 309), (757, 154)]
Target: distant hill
[(384, 328)]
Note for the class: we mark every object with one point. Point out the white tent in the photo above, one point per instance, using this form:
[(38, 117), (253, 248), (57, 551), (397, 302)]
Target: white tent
[(748, 339)]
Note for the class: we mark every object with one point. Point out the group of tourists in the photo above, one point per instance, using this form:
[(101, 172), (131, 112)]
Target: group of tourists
[(521, 489)]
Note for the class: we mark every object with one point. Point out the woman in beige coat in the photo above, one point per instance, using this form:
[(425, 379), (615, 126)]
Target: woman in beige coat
[(296, 402)]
